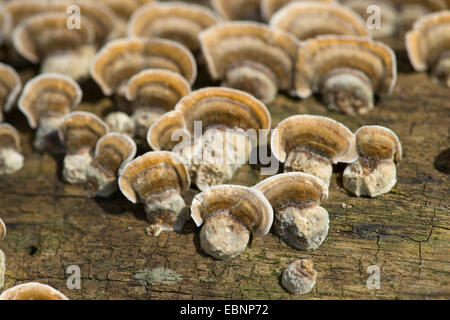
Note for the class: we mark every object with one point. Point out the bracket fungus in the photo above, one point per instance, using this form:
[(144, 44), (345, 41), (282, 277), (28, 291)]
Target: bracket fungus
[(32, 291), (45, 99), (216, 126), (228, 214), (5, 24), (428, 45), (299, 277), (177, 21), (79, 131), (157, 180), (118, 121), (374, 172), (299, 219), (120, 59), (10, 86), (311, 144), (346, 70), (238, 9), (11, 160), (309, 19), (269, 7), (152, 93), (112, 151), (250, 56)]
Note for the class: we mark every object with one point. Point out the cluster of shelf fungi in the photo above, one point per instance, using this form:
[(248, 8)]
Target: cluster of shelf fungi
[(145, 54)]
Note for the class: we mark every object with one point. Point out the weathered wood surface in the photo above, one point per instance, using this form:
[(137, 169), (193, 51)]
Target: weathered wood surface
[(52, 225)]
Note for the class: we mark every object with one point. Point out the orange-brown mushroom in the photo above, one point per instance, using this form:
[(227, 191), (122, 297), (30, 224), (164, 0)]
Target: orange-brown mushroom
[(10, 86)]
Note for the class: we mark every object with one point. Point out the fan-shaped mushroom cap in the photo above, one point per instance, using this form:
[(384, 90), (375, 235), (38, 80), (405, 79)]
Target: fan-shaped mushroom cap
[(153, 172), (250, 56), (157, 88), (49, 95), (213, 107), (178, 21), (11, 160), (46, 33), (293, 189), (308, 19), (428, 40), (376, 142), (248, 205), (32, 291), (114, 149), (2, 230), (10, 86), (120, 59), (5, 24), (323, 54), (81, 130), (321, 135), (269, 7), (238, 9), (9, 137), (19, 10)]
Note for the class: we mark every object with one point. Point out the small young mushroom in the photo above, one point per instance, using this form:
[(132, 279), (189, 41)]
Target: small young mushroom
[(295, 197), (346, 70), (299, 277), (238, 9), (32, 291), (428, 45), (112, 151), (216, 125), (228, 214), (153, 92), (157, 180), (11, 160), (269, 7), (120, 59), (250, 56), (177, 21), (120, 122), (309, 19), (45, 99), (79, 131), (311, 144), (374, 172), (10, 86)]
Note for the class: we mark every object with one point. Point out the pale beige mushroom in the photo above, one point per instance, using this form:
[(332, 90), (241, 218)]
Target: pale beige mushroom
[(238, 9), (309, 19), (428, 45), (112, 151), (118, 121), (228, 214), (178, 21), (218, 128), (299, 219), (299, 277), (311, 144), (11, 160), (250, 56), (44, 101), (269, 7), (374, 172), (151, 93), (10, 86), (79, 131), (157, 180), (347, 71), (120, 59), (32, 291)]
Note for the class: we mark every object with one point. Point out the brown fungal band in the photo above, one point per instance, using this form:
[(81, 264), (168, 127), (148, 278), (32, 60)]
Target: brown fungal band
[(11, 160), (295, 197), (227, 214), (299, 277), (177, 21), (79, 132), (428, 45), (120, 59), (311, 144), (112, 151), (222, 146), (238, 9), (270, 7), (45, 99), (374, 172), (309, 19), (32, 291), (251, 57), (346, 70), (10, 86), (157, 180)]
